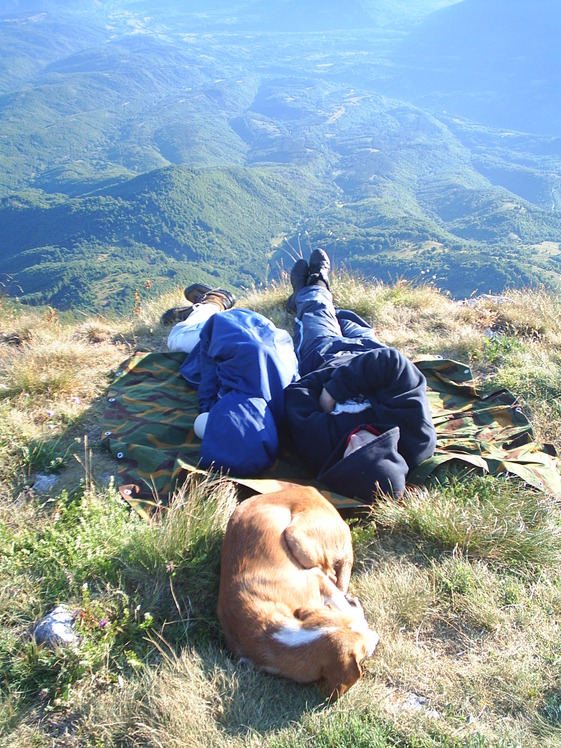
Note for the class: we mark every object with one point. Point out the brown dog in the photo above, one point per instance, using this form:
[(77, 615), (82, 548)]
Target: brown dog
[(285, 570)]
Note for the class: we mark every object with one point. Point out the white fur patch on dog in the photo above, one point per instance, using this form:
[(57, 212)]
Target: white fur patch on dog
[(337, 600), (294, 635), (360, 626), (341, 602), (373, 639)]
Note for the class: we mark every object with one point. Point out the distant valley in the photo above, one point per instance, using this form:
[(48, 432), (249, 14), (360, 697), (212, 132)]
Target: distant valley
[(143, 148)]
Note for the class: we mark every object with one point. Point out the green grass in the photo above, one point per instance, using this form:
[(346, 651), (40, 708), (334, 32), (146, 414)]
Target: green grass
[(484, 518), (367, 730), (135, 589)]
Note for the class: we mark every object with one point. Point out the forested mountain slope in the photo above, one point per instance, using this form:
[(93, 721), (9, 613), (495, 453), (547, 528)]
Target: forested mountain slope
[(141, 144)]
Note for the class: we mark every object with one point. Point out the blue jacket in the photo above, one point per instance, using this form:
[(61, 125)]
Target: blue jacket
[(394, 391), (240, 367)]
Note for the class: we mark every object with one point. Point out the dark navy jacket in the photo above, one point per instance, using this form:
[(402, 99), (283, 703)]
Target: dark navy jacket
[(395, 391)]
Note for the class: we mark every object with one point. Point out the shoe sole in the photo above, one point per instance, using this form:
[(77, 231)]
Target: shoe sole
[(175, 315), (195, 292)]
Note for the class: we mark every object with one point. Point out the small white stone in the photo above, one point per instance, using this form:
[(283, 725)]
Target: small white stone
[(44, 483), (57, 627)]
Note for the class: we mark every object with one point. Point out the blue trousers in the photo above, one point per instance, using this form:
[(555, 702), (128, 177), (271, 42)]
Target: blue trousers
[(321, 331)]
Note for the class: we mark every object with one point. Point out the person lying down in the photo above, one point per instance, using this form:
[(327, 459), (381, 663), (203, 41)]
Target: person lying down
[(239, 363)]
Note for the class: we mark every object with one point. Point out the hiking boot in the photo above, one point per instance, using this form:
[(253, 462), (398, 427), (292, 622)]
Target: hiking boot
[(175, 314), (220, 297), (319, 268), (298, 279), (198, 293)]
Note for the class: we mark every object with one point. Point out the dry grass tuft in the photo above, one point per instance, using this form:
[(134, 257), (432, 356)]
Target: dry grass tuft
[(494, 519), (534, 313)]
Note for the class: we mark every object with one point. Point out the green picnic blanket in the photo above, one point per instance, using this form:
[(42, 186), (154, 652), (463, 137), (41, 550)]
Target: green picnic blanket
[(148, 427)]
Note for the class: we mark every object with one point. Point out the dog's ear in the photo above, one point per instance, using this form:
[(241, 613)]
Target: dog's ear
[(349, 670), (304, 612), (343, 568)]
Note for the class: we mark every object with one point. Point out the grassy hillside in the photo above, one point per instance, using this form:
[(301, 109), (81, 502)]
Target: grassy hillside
[(461, 580)]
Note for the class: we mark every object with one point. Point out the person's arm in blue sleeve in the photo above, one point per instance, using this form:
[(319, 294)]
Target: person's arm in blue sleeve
[(310, 427)]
